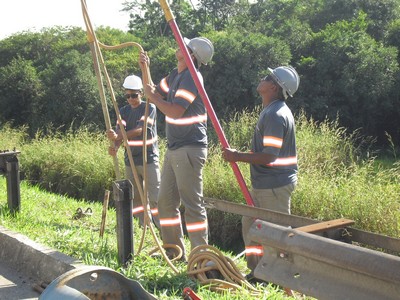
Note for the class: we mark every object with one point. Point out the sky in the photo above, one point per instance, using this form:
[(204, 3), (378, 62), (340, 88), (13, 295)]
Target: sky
[(33, 15)]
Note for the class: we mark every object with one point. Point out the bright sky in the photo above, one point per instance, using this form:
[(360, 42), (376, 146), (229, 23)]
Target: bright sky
[(33, 15)]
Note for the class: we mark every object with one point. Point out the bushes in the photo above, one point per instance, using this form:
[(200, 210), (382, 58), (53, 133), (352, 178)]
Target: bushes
[(335, 178)]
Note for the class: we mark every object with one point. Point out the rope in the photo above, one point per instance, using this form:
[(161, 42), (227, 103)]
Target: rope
[(206, 262), (178, 251), (99, 62)]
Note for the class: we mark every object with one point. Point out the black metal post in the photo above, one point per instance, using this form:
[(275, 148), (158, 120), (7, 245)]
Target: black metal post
[(123, 198), (13, 181), (9, 166)]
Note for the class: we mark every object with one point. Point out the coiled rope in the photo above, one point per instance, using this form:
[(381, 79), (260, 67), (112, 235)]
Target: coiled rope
[(206, 262)]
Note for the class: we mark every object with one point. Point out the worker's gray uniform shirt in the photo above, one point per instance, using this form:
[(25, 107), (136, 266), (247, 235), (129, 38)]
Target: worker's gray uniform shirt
[(275, 134), (191, 128), (134, 117)]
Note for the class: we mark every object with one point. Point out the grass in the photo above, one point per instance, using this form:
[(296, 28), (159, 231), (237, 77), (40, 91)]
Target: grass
[(48, 218)]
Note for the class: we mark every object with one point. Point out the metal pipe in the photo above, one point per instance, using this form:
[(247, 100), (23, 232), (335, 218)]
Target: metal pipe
[(9, 166), (123, 197)]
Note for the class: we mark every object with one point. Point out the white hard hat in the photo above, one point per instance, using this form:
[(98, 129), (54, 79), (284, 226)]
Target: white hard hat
[(202, 49), (133, 82), (287, 78)]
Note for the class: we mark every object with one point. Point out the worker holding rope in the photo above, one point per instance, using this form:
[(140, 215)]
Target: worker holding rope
[(132, 116), (177, 97), (273, 159)]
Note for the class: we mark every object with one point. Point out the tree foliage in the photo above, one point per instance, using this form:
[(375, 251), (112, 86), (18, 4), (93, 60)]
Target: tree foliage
[(346, 52)]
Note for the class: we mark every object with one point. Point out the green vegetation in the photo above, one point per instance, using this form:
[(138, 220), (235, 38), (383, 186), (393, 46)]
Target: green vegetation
[(345, 51), (335, 180), (336, 176)]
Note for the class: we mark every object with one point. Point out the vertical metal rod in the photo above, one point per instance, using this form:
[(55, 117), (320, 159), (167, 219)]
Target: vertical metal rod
[(13, 181), (123, 197)]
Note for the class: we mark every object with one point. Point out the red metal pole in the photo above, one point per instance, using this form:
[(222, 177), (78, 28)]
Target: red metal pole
[(203, 94)]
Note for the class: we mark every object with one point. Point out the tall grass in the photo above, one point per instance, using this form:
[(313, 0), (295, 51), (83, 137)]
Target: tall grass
[(338, 176)]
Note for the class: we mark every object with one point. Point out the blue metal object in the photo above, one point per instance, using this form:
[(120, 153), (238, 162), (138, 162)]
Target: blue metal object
[(94, 283)]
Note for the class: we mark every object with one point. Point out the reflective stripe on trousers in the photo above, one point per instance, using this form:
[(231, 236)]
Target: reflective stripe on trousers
[(277, 199)]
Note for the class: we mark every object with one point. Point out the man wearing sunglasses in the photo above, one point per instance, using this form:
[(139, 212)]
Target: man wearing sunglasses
[(177, 97), (132, 116), (272, 159)]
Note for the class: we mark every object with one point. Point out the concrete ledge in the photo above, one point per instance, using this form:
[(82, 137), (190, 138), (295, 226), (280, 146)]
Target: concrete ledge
[(33, 259)]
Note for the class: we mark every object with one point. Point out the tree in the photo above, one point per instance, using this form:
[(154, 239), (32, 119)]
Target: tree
[(21, 91), (346, 73), (238, 64), (379, 13), (71, 96)]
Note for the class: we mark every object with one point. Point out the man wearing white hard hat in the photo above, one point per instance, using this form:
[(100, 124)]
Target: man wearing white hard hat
[(273, 158), (177, 97), (132, 116)]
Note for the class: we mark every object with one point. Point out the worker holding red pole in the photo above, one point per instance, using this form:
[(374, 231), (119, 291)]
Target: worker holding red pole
[(273, 158), (178, 98)]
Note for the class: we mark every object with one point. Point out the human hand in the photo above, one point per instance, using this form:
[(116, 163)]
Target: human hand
[(144, 59), (149, 91), (111, 135), (112, 151), (229, 154)]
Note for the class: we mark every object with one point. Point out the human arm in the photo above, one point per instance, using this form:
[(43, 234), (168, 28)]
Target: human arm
[(116, 137), (172, 110), (257, 158)]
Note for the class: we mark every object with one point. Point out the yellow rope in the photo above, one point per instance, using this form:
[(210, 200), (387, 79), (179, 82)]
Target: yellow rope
[(205, 259), (95, 45)]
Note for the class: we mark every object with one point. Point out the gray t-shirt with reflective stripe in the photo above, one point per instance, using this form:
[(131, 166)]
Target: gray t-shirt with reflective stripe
[(134, 117), (191, 128), (275, 134)]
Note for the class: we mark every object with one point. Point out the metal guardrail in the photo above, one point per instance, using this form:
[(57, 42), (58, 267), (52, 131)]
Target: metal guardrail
[(329, 265), (324, 268)]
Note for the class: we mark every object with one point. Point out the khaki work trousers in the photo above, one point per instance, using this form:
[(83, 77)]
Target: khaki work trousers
[(277, 199), (182, 183)]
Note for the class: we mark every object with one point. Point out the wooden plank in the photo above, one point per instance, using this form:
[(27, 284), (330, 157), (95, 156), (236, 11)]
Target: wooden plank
[(323, 226)]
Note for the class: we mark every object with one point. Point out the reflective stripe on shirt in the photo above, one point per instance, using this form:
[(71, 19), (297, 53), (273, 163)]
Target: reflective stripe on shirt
[(164, 85), (284, 161), (272, 141), (187, 121), (254, 250), (136, 143), (185, 94)]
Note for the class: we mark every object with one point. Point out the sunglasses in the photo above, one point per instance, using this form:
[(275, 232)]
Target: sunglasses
[(133, 95), (269, 78)]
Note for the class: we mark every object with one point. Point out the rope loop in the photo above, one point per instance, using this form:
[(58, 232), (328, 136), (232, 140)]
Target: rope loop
[(210, 267)]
